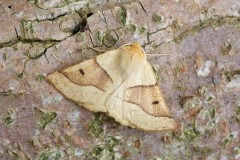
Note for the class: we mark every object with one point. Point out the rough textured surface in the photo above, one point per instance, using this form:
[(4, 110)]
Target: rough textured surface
[(200, 77)]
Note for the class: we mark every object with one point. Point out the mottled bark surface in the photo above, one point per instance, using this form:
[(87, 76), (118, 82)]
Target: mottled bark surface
[(200, 77)]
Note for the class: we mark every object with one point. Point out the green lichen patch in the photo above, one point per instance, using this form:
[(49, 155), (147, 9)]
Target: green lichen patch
[(226, 75), (104, 151), (209, 98), (135, 29), (46, 118), (27, 25), (132, 28), (27, 28), (9, 118), (238, 110), (95, 126), (181, 87), (45, 5), (228, 139), (80, 37), (110, 38), (225, 48), (191, 134), (202, 149), (99, 38), (96, 151), (237, 113), (49, 154), (67, 138), (122, 16), (156, 18), (202, 90), (40, 78), (142, 30), (9, 92), (111, 142), (212, 112), (237, 152)]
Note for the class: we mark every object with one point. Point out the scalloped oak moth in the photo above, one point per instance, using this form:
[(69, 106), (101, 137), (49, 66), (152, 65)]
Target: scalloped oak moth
[(121, 83)]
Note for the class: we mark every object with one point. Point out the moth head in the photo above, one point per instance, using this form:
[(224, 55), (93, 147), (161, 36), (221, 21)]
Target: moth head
[(135, 49)]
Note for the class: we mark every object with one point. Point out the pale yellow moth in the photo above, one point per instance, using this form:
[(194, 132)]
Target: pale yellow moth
[(121, 83)]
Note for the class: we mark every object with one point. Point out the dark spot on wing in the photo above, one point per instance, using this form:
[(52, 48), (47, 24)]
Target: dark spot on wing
[(155, 102), (81, 71)]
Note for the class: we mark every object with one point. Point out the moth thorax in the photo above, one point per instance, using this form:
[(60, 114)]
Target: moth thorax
[(136, 49)]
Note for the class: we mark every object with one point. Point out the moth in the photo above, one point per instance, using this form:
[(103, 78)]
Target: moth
[(121, 83)]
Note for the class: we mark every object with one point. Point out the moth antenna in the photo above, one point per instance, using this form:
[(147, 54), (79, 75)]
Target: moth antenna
[(97, 50), (157, 54), (120, 37)]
